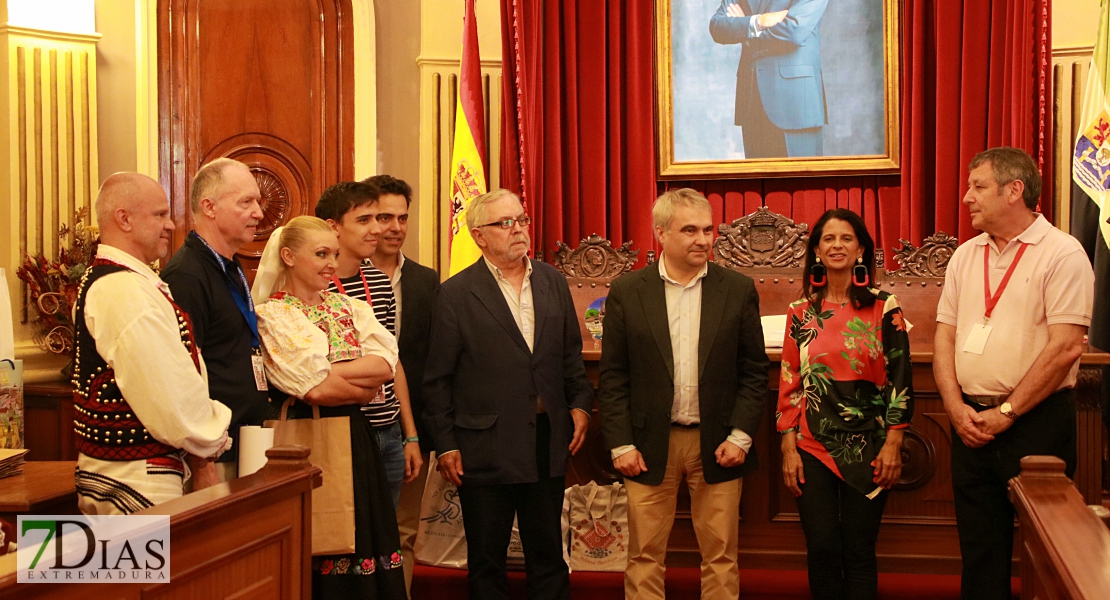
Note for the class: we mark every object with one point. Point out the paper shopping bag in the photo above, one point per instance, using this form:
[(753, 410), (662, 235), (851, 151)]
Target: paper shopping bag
[(333, 503), (11, 404)]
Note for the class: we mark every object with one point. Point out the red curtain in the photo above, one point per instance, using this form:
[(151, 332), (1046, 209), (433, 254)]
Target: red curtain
[(577, 140), (578, 136), (975, 76)]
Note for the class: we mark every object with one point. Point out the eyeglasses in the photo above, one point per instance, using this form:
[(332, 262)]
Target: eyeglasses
[(508, 223)]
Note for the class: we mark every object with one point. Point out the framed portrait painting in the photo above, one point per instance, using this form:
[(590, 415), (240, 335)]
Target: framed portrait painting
[(776, 88)]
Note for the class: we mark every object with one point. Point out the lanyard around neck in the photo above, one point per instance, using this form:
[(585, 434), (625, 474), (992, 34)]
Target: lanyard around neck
[(342, 290), (992, 300), (242, 296)]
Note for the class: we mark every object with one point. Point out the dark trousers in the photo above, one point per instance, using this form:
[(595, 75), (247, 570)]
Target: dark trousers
[(841, 527), (980, 481), (763, 139), (488, 512)]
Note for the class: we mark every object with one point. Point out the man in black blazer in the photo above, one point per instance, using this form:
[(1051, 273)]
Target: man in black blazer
[(507, 399), (414, 287), (682, 389)]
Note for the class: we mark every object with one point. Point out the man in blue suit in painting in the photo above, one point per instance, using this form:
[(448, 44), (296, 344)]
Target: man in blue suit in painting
[(780, 95)]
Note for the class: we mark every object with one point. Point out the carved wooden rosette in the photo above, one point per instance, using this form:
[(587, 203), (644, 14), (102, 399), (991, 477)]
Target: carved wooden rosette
[(274, 203), (595, 257), (930, 260), (763, 239)]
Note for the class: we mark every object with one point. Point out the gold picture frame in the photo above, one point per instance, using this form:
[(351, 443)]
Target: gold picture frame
[(706, 148)]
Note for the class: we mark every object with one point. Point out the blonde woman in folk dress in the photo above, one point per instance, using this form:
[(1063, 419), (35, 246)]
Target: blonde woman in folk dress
[(844, 398), (328, 349)]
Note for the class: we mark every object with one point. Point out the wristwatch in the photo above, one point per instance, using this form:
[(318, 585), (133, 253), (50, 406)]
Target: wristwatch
[(1007, 410)]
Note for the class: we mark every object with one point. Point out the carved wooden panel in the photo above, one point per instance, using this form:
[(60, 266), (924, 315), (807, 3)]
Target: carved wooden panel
[(266, 82), (930, 260), (763, 239), (595, 257)]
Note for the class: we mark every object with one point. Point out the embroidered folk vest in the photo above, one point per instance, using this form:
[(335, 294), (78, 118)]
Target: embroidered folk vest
[(105, 425)]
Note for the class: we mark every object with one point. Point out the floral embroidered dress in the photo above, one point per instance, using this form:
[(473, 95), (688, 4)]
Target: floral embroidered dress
[(300, 342), (846, 379)]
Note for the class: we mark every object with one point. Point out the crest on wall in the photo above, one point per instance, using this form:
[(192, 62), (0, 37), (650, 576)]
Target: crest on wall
[(930, 260), (595, 257), (763, 239)]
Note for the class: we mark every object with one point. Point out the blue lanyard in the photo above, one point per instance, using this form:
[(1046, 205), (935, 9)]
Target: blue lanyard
[(241, 296)]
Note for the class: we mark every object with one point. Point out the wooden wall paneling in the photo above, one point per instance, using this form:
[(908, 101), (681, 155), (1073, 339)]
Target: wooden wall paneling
[(52, 139), (1069, 79), (266, 82), (21, 90), (48, 421)]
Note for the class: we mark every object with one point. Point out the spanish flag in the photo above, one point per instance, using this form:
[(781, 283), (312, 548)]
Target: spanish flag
[(468, 155)]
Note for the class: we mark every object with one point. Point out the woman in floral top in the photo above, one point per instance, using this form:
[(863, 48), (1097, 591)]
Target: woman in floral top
[(328, 349), (845, 396)]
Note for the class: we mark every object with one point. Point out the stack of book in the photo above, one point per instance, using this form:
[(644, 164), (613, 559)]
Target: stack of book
[(11, 462)]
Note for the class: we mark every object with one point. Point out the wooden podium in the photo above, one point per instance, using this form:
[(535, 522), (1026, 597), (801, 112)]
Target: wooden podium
[(248, 539)]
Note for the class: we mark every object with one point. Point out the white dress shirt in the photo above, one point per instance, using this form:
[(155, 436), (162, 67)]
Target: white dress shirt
[(136, 333), (395, 281), (520, 303), (684, 324)]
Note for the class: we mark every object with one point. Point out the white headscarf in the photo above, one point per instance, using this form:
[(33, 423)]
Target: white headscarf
[(271, 270)]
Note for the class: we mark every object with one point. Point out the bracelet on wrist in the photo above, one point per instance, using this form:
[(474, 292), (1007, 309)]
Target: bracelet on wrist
[(410, 439)]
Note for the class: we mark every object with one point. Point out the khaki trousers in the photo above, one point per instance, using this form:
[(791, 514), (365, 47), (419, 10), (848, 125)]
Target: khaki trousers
[(408, 517), (715, 509)]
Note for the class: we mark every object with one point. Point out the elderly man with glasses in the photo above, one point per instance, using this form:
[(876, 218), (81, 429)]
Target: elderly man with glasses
[(507, 399)]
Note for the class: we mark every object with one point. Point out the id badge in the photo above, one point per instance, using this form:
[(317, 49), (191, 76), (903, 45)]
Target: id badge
[(977, 339), (259, 373)]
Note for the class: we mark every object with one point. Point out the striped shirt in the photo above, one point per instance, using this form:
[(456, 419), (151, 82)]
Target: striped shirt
[(387, 412)]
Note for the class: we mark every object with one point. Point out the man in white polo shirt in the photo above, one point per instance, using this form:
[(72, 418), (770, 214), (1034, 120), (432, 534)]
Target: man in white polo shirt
[(1016, 305)]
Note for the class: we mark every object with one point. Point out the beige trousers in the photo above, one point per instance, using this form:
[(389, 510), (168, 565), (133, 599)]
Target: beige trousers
[(715, 509), (408, 517)]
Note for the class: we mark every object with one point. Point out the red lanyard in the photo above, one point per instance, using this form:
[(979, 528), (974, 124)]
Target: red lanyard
[(342, 290), (992, 301)]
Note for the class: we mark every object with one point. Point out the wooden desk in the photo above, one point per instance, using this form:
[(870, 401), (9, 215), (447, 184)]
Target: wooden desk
[(48, 414), (44, 488)]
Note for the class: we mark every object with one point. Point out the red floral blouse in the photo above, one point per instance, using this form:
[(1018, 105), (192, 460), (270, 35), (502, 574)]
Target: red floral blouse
[(846, 380)]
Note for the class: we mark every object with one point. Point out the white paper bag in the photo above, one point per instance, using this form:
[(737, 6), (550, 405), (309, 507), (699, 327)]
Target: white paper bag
[(598, 519)]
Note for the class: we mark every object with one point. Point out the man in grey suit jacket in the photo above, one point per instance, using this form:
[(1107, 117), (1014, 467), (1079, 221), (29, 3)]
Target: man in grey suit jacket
[(507, 399), (682, 389), (780, 94)]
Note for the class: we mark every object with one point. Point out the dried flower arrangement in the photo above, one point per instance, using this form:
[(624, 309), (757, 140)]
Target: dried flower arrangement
[(52, 284)]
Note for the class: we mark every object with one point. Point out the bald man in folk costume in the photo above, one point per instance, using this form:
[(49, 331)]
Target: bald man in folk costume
[(141, 391)]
